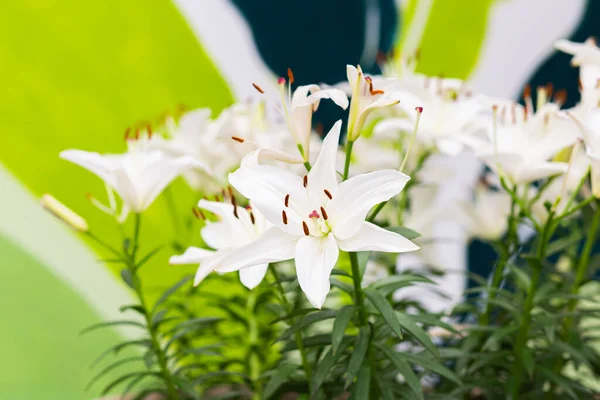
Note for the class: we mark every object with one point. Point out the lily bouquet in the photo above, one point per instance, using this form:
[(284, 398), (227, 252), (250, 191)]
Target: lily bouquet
[(327, 305)]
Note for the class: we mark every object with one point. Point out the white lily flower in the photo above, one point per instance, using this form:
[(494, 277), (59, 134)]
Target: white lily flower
[(315, 216), (587, 57), (237, 227), (451, 113), (367, 95), (299, 107), (520, 145), (138, 176)]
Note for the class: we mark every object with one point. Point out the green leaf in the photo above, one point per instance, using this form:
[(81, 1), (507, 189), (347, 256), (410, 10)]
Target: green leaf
[(281, 374), (110, 367), (404, 231), (158, 317), (117, 348), (135, 307), (326, 363), (342, 319), (346, 287), (358, 355), (127, 277), (409, 325), (392, 283), (125, 378), (521, 278), (527, 357), (320, 340), (111, 323), (147, 257), (386, 310), (498, 334), (404, 368), (295, 313), (430, 365), (558, 380), (306, 321), (362, 389), (432, 320), (170, 291), (340, 272)]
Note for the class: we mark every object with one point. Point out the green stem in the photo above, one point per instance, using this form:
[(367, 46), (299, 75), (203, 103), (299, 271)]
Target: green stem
[(349, 146), (297, 335), (152, 331), (253, 333), (582, 268), (358, 294), (521, 342)]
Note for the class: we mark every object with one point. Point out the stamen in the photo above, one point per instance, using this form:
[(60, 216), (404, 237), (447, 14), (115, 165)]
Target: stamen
[(290, 76), (127, 131), (238, 139), (314, 214), (230, 191), (549, 89), (419, 111), (252, 218), (287, 200), (560, 97), (234, 204), (305, 227), (258, 88), (284, 217), (199, 214), (527, 98), (305, 180), (328, 194), (217, 198), (324, 214)]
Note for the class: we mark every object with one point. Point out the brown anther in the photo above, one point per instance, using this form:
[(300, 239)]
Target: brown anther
[(127, 131), (324, 214), (305, 227), (137, 134), (290, 75), (238, 139), (149, 129), (284, 217), (234, 204), (258, 88), (580, 84), (252, 219), (328, 194), (597, 83), (527, 92), (305, 180), (198, 213), (549, 89), (217, 198), (560, 97), (319, 129), (286, 201), (229, 191)]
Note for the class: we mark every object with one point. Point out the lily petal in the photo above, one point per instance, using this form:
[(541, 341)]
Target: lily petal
[(371, 237), (268, 187), (251, 277), (315, 258), (192, 255), (273, 246), (356, 196), (323, 175)]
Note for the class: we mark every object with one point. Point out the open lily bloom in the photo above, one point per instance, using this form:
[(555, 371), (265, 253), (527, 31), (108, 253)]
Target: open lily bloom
[(588, 122), (587, 57), (315, 216), (367, 95), (520, 145), (237, 227), (138, 176), (451, 113)]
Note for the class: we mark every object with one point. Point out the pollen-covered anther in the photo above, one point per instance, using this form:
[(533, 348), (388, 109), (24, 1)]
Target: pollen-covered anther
[(284, 217), (258, 88), (290, 75), (198, 214), (234, 204), (324, 214), (305, 228), (252, 219), (314, 214), (305, 180), (286, 201), (127, 132), (238, 139), (328, 194)]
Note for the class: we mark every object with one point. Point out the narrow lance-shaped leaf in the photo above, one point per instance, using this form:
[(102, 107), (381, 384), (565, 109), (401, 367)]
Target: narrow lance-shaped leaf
[(362, 388), (386, 310), (278, 378), (408, 324), (306, 321), (358, 355), (342, 319), (403, 368), (170, 291)]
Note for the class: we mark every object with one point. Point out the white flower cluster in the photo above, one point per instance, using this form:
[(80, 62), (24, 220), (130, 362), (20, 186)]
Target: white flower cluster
[(306, 201)]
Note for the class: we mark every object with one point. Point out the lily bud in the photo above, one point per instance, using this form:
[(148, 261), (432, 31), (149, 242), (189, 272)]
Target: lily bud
[(64, 213)]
